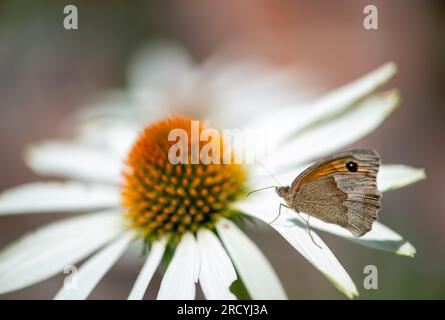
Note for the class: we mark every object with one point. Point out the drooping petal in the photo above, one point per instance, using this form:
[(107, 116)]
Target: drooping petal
[(380, 237), (149, 268), (266, 207), (179, 282), (45, 252), (296, 234), (325, 137), (93, 270), (256, 272), (286, 123), (395, 176), (57, 197), (319, 255), (74, 161), (216, 274)]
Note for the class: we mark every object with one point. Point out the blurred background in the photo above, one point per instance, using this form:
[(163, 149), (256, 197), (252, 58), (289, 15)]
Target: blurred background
[(47, 73)]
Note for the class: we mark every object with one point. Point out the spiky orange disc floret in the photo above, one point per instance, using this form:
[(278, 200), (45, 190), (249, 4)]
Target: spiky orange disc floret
[(161, 197)]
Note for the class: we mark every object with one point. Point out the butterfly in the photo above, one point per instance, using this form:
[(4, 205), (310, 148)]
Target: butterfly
[(340, 189)]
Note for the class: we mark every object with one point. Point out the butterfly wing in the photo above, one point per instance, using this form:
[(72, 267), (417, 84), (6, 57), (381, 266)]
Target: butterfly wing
[(341, 189)]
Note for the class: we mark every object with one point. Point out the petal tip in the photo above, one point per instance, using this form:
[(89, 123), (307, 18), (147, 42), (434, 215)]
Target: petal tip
[(391, 67), (407, 249), (350, 293), (353, 295), (394, 98), (29, 154), (421, 174), (417, 175), (386, 71)]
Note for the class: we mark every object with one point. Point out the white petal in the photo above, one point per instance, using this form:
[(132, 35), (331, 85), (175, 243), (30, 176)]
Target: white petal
[(380, 237), (257, 274), (158, 65), (93, 270), (45, 252), (331, 135), (239, 89), (113, 135), (297, 235), (289, 121), (57, 197), (74, 161), (149, 268), (396, 176), (390, 177), (182, 273), (265, 207), (321, 258), (120, 109), (216, 274)]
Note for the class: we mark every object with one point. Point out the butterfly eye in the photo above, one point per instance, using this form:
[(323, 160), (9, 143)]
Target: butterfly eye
[(352, 166)]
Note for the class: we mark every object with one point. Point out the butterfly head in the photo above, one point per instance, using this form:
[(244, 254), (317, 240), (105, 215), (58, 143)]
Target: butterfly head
[(283, 192)]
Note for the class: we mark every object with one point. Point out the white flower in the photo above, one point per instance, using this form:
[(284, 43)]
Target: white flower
[(215, 253)]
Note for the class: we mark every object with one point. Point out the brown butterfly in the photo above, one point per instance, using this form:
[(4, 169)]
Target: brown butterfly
[(340, 189)]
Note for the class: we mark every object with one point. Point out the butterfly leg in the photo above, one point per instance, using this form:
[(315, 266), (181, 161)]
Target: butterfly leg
[(306, 221), (310, 234), (309, 228), (279, 212)]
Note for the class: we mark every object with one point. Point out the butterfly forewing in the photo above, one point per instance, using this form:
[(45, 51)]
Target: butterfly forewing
[(341, 189)]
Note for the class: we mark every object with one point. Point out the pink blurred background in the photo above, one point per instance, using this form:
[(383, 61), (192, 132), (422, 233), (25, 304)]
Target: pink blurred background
[(47, 73)]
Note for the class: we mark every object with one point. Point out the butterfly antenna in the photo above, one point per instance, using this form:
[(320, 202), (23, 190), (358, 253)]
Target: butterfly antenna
[(268, 171), (260, 189)]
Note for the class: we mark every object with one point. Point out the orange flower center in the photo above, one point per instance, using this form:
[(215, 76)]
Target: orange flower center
[(162, 197)]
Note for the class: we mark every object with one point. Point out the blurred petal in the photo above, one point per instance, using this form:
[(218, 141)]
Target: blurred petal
[(121, 108), (70, 196), (74, 161), (289, 122), (115, 136), (93, 270), (296, 234), (45, 252), (255, 271), (242, 88), (149, 268), (325, 137), (395, 176), (162, 78), (158, 65), (182, 273), (216, 274), (352, 92)]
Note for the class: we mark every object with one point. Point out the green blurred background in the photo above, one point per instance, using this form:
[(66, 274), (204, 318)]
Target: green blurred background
[(47, 73)]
